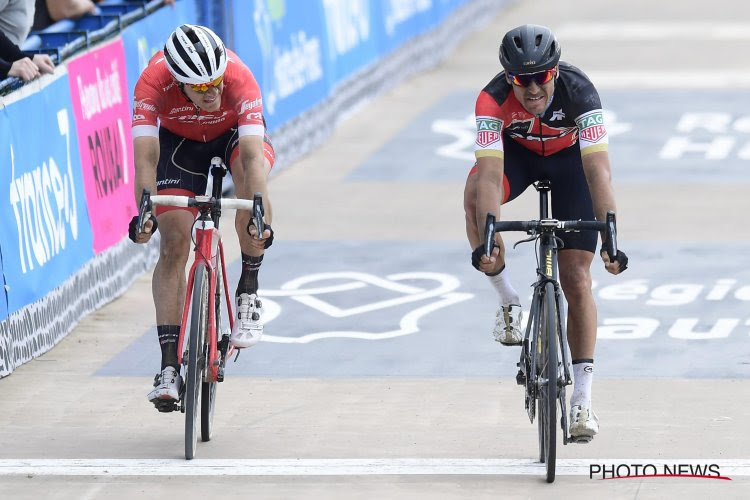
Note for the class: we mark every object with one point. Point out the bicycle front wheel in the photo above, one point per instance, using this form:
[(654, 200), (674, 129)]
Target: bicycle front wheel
[(208, 392), (196, 358), (547, 373)]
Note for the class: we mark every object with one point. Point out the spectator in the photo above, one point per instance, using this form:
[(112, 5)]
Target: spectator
[(14, 62), (16, 17), (48, 12)]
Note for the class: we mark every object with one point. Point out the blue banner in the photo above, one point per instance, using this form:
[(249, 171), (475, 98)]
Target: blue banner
[(146, 37), (401, 20), (352, 37), (4, 295), (285, 48), (46, 235), (301, 50)]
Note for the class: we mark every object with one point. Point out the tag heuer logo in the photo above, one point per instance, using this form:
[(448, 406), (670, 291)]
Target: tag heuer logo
[(487, 137), (593, 134)]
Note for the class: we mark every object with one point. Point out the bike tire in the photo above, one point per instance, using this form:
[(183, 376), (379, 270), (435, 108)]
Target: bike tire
[(548, 391), (195, 365), (208, 391)]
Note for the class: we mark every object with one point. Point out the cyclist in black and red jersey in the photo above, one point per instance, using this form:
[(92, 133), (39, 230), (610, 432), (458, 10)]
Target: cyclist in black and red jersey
[(196, 100), (541, 118)]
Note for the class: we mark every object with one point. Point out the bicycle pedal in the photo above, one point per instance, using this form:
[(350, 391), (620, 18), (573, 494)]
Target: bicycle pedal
[(580, 439), (165, 405), (520, 378)]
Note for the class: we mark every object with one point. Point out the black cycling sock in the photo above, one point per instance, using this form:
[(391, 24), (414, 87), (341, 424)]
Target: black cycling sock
[(168, 337), (249, 278)]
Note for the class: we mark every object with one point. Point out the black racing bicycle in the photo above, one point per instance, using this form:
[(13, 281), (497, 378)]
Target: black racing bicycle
[(544, 367)]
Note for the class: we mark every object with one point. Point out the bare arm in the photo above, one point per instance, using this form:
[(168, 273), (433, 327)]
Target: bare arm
[(69, 9), (146, 152), (599, 178), (252, 179), (490, 171)]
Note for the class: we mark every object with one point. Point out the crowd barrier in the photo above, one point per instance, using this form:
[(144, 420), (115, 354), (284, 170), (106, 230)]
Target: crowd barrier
[(66, 149)]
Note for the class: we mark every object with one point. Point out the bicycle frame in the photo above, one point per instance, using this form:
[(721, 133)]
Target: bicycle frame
[(547, 272), (209, 251)]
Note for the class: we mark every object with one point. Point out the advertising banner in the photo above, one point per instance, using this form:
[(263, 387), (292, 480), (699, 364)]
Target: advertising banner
[(4, 295), (285, 48), (143, 39), (102, 113), (352, 36), (45, 234), (401, 20)]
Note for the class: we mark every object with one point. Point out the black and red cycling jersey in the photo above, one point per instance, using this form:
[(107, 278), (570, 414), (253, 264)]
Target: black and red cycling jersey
[(574, 116)]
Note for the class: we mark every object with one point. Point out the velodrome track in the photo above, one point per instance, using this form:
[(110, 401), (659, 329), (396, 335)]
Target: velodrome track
[(394, 388)]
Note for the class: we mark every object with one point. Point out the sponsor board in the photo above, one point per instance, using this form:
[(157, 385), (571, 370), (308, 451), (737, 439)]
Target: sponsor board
[(46, 234), (100, 104)]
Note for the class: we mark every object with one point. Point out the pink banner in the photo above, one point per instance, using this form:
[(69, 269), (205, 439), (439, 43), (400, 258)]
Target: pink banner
[(102, 113)]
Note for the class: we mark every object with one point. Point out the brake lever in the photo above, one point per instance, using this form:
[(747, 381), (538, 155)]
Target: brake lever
[(258, 213), (489, 234), (144, 209), (611, 236), (530, 238)]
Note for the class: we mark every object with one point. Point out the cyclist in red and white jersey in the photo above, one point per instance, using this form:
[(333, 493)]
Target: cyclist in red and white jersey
[(538, 119), (194, 101)]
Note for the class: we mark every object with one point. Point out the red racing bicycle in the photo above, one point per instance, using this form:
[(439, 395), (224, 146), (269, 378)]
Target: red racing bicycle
[(203, 346)]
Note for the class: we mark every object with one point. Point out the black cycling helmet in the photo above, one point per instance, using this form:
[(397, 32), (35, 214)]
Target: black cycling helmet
[(529, 49)]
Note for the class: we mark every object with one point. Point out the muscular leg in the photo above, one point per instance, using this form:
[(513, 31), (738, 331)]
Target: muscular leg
[(168, 285), (575, 278)]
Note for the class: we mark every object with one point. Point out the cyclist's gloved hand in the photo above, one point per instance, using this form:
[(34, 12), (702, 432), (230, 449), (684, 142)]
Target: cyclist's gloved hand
[(267, 234), (149, 228), (487, 266), (620, 259)]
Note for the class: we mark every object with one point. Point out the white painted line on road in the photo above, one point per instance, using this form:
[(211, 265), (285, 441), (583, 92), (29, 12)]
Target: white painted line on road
[(647, 79), (333, 467), (653, 31)]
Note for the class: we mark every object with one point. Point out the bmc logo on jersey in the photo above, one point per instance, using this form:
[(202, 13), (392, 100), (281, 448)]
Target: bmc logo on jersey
[(488, 130)]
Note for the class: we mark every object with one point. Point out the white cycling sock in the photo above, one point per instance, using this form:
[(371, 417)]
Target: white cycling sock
[(508, 294), (583, 374)]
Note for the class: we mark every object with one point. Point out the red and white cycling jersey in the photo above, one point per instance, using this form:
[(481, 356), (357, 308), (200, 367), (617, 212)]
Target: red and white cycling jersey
[(158, 100), (574, 115)]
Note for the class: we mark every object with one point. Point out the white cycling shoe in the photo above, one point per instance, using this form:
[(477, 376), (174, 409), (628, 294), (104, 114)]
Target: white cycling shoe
[(166, 388), (508, 325), (584, 424), (247, 329)]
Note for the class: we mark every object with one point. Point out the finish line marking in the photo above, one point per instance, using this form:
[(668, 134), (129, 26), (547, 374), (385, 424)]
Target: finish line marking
[(330, 467)]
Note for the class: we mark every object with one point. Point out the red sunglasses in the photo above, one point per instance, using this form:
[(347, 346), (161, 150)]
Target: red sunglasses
[(540, 78)]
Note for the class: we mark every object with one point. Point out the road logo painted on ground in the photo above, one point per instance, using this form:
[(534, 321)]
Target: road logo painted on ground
[(313, 290)]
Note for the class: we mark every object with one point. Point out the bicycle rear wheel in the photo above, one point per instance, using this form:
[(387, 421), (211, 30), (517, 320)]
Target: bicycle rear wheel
[(208, 391), (547, 402), (196, 358)]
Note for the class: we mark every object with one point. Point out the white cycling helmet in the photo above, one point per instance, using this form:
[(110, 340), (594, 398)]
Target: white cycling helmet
[(195, 55)]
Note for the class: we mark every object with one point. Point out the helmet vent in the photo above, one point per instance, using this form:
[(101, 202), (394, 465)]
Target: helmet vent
[(517, 41), (538, 40)]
